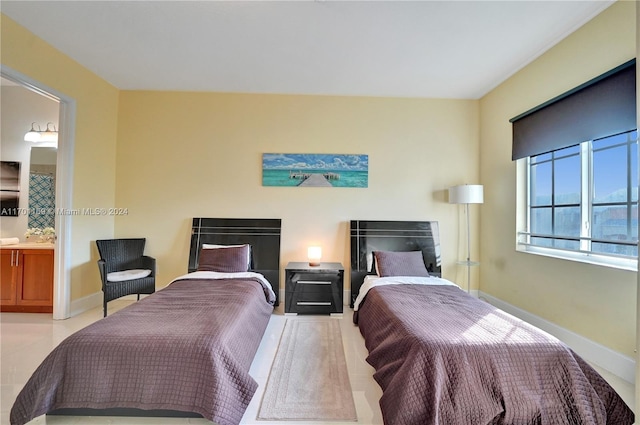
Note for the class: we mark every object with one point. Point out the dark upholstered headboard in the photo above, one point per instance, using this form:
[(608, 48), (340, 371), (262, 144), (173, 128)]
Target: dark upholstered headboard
[(367, 236), (262, 234)]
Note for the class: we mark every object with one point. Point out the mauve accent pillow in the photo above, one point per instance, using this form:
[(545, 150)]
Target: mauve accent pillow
[(213, 246), (396, 263), (228, 260)]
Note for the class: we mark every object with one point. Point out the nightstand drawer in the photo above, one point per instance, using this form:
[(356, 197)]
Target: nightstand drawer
[(304, 301), (319, 282), (311, 294)]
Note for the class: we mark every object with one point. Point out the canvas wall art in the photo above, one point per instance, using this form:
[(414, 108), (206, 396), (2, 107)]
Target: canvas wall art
[(315, 170)]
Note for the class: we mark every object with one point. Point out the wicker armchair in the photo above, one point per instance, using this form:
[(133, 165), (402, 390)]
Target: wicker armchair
[(124, 269)]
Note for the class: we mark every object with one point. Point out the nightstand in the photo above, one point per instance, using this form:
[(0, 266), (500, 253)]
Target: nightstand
[(313, 289)]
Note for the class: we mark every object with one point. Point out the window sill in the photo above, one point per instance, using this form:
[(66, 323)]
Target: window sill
[(582, 257)]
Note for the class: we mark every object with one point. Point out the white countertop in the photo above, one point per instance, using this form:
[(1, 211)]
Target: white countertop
[(29, 245)]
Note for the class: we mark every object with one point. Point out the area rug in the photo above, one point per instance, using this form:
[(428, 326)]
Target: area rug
[(309, 379)]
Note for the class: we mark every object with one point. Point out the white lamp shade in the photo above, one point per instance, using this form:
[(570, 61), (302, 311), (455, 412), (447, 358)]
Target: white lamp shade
[(49, 136), (466, 194), (32, 136), (314, 253)]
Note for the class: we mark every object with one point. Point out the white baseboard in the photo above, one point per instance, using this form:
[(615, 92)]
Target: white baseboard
[(604, 357), (92, 301), (85, 303)]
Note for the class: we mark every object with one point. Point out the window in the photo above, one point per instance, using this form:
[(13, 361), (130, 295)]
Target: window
[(577, 172), (583, 199)]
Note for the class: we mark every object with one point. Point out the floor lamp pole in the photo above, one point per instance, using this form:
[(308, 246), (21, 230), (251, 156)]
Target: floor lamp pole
[(468, 251)]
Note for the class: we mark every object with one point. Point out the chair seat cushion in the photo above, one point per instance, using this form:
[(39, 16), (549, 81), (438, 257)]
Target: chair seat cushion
[(127, 275)]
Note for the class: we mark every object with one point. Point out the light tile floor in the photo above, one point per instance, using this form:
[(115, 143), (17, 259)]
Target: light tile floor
[(26, 339)]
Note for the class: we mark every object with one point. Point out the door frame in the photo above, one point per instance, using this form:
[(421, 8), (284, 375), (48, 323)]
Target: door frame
[(64, 188)]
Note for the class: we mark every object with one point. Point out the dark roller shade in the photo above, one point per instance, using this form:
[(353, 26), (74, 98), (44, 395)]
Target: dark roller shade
[(601, 107)]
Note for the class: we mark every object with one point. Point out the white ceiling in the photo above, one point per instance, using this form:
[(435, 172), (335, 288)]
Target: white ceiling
[(435, 49)]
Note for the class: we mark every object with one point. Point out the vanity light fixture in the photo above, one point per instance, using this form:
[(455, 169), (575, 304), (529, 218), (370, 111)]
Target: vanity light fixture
[(48, 137), (314, 253)]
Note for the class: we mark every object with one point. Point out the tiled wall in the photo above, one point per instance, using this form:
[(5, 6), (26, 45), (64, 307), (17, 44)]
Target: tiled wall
[(42, 200)]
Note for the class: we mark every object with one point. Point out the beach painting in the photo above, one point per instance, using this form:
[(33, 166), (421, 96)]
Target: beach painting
[(315, 170)]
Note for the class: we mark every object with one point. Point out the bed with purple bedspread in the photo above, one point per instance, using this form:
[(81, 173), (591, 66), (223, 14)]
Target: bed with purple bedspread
[(186, 348), (444, 357)]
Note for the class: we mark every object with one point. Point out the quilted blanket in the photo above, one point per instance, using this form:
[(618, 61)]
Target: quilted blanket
[(187, 348), (443, 357)]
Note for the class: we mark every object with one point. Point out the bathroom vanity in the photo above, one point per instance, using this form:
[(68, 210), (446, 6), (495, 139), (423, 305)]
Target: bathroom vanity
[(26, 278)]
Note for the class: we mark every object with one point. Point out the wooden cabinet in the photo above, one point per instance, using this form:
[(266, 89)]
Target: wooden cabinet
[(313, 289), (8, 277), (26, 279)]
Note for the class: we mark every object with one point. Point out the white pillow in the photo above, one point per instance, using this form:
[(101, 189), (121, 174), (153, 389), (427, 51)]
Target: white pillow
[(211, 246), (127, 275)]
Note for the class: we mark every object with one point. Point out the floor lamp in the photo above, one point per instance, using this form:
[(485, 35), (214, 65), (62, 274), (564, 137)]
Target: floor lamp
[(467, 194)]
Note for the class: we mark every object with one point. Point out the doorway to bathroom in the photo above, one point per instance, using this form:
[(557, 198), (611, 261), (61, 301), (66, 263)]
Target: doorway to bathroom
[(46, 169)]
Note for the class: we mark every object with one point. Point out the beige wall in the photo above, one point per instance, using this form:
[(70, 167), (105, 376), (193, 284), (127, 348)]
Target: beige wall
[(95, 141), (184, 155), (596, 302)]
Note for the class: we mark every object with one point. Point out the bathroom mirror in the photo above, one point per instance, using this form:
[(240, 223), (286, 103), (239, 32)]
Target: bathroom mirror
[(42, 187)]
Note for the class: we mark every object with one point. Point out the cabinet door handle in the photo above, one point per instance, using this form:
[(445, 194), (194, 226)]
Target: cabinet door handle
[(17, 257), (314, 282), (312, 303)]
